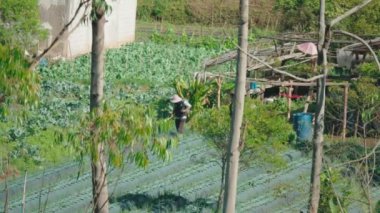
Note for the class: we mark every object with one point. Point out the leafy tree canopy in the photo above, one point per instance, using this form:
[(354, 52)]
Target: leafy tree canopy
[(17, 84), (302, 15), (20, 23)]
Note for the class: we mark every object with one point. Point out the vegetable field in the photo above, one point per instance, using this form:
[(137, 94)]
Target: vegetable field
[(139, 72), (188, 183)]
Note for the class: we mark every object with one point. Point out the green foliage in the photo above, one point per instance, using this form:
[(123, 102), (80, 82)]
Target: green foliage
[(366, 21), (207, 42), (302, 15), (303, 69), (266, 132), (20, 24), (364, 99), (293, 15), (352, 150), (369, 70), (17, 83), (335, 192), (99, 7), (131, 130), (137, 73), (365, 92), (215, 125), (163, 10), (195, 92), (204, 12)]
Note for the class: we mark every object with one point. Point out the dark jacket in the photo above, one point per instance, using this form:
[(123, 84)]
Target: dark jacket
[(181, 110)]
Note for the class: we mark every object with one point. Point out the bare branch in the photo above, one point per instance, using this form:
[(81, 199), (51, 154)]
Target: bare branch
[(349, 12), (281, 71), (363, 42), (373, 152)]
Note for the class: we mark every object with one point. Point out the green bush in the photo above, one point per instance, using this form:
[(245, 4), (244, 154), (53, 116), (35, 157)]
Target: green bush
[(207, 42), (302, 15), (17, 83), (170, 10), (266, 132), (369, 70), (20, 24), (205, 12)]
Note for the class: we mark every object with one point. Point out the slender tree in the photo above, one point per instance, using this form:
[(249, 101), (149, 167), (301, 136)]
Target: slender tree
[(233, 153), (325, 34), (98, 160), (131, 131), (319, 121)]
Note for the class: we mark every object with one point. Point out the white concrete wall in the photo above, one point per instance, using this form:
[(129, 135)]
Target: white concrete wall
[(119, 29)]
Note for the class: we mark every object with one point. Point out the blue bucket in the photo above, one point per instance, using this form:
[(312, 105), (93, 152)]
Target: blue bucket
[(303, 125), (253, 85)]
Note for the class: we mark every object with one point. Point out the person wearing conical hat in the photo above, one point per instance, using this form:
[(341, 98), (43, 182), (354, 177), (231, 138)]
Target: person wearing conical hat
[(180, 111)]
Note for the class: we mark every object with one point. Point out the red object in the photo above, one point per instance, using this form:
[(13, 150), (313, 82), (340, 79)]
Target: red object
[(292, 96)]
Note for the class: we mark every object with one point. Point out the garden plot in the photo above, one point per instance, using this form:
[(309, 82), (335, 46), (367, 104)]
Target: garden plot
[(182, 177)]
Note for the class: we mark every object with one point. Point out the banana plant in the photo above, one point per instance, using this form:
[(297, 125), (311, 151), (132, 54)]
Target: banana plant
[(196, 92)]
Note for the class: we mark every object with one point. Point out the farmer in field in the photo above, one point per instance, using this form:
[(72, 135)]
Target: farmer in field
[(180, 111)]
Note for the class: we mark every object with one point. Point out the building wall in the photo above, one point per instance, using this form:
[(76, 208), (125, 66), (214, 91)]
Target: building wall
[(119, 28)]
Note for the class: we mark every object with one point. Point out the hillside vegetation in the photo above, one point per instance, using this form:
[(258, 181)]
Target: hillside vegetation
[(301, 15)]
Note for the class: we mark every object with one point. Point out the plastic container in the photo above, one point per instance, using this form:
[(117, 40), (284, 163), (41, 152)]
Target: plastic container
[(253, 85), (303, 125)]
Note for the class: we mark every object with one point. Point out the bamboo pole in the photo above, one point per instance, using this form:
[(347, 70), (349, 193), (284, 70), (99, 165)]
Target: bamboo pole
[(345, 111), (290, 91)]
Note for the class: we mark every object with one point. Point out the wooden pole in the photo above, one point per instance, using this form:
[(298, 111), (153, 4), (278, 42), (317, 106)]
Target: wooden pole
[(290, 90), (6, 190), (345, 111), (219, 81), (24, 192), (356, 123), (308, 99)]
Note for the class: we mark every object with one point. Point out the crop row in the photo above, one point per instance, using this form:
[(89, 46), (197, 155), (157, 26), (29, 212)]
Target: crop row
[(68, 182), (119, 183), (258, 196), (36, 182)]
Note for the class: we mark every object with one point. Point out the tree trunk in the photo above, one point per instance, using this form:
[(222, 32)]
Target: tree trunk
[(99, 181), (323, 46), (237, 118), (317, 149), (97, 63), (98, 163), (315, 188), (220, 197)]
